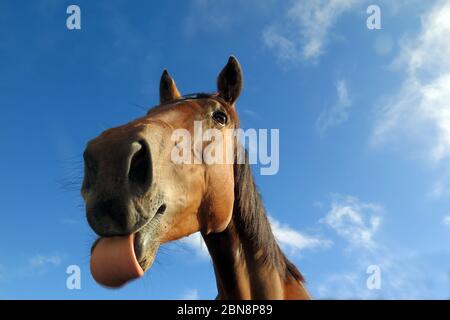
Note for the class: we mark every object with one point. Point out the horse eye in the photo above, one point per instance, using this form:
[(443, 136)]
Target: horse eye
[(220, 117)]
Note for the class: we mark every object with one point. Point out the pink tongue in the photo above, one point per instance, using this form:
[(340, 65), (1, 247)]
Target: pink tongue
[(113, 261)]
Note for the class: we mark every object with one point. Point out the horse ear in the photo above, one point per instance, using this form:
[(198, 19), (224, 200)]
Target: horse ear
[(229, 82), (167, 88)]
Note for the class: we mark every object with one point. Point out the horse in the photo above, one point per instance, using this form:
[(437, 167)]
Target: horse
[(137, 198)]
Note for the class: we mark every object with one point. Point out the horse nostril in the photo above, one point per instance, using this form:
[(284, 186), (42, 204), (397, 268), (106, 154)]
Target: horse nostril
[(139, 174), (161, 209)]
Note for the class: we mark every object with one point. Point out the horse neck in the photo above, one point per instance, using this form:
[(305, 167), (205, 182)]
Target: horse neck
[(248, 262)]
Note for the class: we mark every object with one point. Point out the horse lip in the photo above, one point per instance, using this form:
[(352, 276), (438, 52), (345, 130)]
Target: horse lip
[(138, 247), (142, 246), (139, 250), (96, 241)]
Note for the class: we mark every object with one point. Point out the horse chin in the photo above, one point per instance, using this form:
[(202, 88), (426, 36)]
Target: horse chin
[(146, 243), (146, 254)]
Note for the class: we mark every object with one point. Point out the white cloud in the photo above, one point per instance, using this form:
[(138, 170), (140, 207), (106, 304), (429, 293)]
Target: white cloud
[(420, 111), (384, 44), (220, 16), (405, 273), (285, 48), (338, 113), (304, 31), (196, 243), (294, 241), (288, 238), (439, 190), (251, 113), (346, 285), (190, 294), (446, 220), (40, 261), (37, 265), (355, 221), (204, 15)]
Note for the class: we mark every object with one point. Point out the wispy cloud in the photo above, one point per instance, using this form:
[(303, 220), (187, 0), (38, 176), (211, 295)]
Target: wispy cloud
[(41, 261), (345, 285), (446, 220), (196, 243), (405, 273), (354, 220), (304, 31), (36, 265), (289, 239), (219, 17), (338, 113), (294, 241), (190, 294), (420, 110), (204, 15), (251, 114), (439, 190)]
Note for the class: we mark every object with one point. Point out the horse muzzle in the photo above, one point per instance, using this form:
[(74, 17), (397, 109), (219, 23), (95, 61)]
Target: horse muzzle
[(118, 174)]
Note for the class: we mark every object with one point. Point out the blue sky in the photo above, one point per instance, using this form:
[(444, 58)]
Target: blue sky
[(364, 120)]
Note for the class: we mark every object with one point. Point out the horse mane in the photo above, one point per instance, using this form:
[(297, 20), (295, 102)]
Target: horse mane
[(252, 224), (249, 214)]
